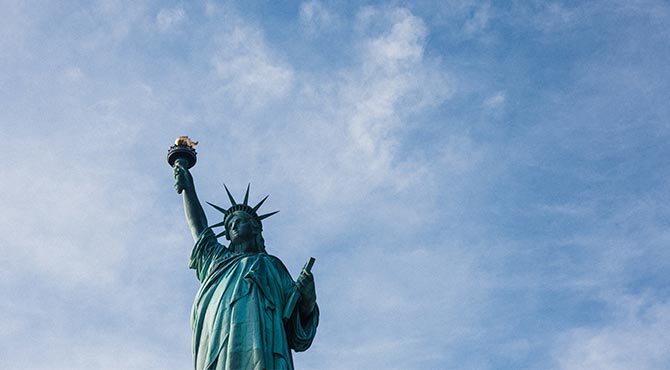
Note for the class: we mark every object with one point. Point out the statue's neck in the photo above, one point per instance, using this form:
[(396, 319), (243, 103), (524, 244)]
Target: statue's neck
[(248, 246)]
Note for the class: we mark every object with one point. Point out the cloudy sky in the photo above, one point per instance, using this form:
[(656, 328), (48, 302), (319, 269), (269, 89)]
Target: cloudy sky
[(484, 184)]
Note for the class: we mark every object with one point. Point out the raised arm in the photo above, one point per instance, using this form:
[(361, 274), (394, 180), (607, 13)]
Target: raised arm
[(195, 216)]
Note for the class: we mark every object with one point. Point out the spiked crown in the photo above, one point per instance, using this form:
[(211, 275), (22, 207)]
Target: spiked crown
[(244, 207)]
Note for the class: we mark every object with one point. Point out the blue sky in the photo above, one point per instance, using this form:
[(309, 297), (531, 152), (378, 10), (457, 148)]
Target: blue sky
[(484, 184)]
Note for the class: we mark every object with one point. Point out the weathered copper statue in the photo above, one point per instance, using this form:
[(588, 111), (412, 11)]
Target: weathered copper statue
[(248, 312)]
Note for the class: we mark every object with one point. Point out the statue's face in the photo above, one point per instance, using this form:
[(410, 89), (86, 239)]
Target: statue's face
[(240, 227)]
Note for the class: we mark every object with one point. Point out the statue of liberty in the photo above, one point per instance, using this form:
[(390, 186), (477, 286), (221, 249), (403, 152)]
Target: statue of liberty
[(245, 314)]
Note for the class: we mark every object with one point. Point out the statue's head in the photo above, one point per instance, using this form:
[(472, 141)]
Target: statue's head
[(243, 229), (242, 224)]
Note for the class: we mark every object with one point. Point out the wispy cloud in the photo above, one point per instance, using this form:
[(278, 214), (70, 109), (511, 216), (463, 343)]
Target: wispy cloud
[(170, 17), (486, 180), (634, 339), (247, 73), (317, 18)]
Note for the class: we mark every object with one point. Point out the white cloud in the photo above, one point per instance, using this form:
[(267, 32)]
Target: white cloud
[(465, 20), (479, 20), (394, 72), (459, 155), (167, 19), (401, 201), (403, 43), (393, 81), (636, 338), (67, 202), (316, 18), (73, 74), (348, 123), (495, 101), (430, 295), (249, 72), (116, 20)]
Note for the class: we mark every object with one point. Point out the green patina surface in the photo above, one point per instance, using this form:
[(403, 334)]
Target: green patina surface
[(248, 312), (237, 314)]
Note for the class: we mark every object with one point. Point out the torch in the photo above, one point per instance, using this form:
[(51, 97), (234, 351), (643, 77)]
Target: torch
[(182, 152)]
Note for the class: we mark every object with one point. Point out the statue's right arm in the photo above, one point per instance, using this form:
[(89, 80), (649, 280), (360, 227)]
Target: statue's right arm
[(195, 216)]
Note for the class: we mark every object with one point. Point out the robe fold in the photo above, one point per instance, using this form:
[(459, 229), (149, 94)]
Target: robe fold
[(237, 313)]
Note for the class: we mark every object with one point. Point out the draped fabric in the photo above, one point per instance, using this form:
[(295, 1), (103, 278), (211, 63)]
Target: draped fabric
[(237, 313)]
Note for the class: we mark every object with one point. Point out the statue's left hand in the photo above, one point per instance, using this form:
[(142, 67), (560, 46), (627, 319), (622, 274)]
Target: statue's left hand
[(305, 284)]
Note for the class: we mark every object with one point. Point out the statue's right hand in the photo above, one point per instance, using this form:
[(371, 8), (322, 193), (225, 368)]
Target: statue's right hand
[(305, 285), (182, 178)]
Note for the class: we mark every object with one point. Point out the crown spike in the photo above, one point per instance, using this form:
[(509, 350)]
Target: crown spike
[(220, 234), (232, 200), (217, 225), (267, 215), (246, 195), (260, 203), (225, 212)]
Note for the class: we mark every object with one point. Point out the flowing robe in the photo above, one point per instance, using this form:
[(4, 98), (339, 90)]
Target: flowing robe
[(237, 313)]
